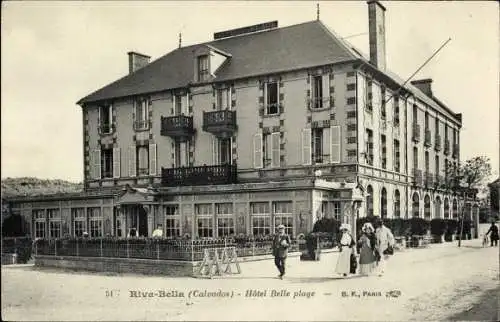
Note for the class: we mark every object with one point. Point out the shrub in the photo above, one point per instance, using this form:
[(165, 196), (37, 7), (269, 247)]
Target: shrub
[(418, 226), (438, 226), (326, 225)]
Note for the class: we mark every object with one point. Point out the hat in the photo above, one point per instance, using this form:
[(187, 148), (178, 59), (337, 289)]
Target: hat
[(345, 226), (281, 227), (367, 226)]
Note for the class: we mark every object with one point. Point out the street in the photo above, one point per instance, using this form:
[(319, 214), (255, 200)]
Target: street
[(437, 283)]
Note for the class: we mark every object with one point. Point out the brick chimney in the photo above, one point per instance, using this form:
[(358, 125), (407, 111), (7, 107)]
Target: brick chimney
[(136, 61), (425, 85), (376, 30)]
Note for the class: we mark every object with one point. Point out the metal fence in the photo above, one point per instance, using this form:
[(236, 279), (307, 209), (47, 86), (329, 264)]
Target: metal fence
[(148, 248)]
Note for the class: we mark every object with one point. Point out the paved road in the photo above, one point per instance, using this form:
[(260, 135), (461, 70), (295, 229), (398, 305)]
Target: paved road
[(437, 283)]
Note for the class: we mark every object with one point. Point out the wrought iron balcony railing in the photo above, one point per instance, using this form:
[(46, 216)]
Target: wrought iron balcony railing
[(220, 122), (202, 175), (429, 179), (177, 126), (417, 177)]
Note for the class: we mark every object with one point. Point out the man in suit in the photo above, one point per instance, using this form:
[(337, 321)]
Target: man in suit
[(384, 240), (494, 234), (281, 243)]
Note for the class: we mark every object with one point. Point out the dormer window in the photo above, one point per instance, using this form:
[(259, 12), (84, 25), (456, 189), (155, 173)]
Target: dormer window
[(203, 68)]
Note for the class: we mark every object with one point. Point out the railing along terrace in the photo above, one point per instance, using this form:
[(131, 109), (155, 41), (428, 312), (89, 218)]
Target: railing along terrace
[(201, 175), (152, 248)]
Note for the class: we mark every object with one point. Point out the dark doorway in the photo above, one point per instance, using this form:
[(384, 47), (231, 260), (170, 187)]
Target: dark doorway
[(143, 222)]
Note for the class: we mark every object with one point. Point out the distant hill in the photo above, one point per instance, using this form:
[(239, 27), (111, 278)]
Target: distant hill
[(29, 186)]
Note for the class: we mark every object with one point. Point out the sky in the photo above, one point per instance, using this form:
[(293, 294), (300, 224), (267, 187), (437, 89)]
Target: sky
[(54, 53)]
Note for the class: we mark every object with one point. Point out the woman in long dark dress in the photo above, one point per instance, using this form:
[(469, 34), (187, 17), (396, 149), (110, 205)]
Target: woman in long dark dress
[(366, 244)]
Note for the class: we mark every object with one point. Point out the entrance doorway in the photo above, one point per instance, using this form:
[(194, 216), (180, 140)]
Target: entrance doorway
[(139, 220)]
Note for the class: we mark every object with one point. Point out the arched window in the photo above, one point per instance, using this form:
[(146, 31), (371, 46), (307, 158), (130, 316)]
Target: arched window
[(397, 204), (369, 201), (415, 205), (455, 209), (446, 208), (437, 207), (383, 203), (427, 207)]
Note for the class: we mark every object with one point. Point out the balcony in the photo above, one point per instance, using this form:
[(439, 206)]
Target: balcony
[(439, 181), (197, 176), (180, 126), (456, 151), (437, 143), (429, 179), (416, 133), (427, 139), (220, 123), (417, 177), (446, 146)]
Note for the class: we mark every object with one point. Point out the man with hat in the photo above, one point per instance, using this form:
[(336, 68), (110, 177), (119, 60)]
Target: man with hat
[(384, 244), (281, 242)]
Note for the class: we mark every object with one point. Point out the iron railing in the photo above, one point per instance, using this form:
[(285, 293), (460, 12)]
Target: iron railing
[(202, 175)]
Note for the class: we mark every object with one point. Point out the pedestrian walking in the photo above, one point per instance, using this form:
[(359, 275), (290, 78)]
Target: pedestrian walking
[(366, 246), (281, 243), (384, 245), (346, 250), (494, 234)]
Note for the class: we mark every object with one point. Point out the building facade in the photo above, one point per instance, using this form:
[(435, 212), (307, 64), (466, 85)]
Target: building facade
[(260, 126)]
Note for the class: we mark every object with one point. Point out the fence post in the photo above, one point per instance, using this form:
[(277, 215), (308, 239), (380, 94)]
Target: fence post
[(101, 246), (157, 250), (192, 251), (55, 247), (128, 251), (253, 246), (77, 253)]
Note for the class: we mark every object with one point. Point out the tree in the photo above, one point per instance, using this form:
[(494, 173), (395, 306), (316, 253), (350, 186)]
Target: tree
[(466, 179)]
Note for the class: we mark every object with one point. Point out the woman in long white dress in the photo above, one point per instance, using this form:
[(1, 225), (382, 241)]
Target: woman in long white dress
[(366, 243), (346, 249)]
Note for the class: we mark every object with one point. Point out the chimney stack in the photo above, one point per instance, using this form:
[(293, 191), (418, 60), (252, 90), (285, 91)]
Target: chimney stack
[(136, 61), (376, 28), (425, 85)]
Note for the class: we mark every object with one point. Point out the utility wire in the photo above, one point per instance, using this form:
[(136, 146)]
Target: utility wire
[(422, 66), (355, 35)]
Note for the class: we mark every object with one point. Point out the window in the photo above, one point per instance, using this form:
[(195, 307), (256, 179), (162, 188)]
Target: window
[(416, 205), (383, 203), (382, 106), (383, 145), (351, 87), (369, 201), (261, 218), (446, 208), (40, 220), (369, 85), (283, 215), (272, 99), (78, 215), (203, 69), (437, 165), (415, 157), (336, 210), (141, 113), (397, 158), (223, 151), (351, 114), (396, 111), (351, 100), (181, 153), (225, 221), (369, 147), (106, 119), (397, 204), (415, 114), (317, 145), (204, 217), (172, 221), (223, 99), (143, 160), (426, 161), (95, 221), (317, 93), (427, 207), (436, 125), (271, 149), (106, 163), (54, 223), (178, 105)]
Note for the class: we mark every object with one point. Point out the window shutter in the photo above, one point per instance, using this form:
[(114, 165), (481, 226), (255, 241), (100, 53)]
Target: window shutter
[(215, 150), (96, 164), (99, 126), (326, 148), (132, 167), (335, 143), (116, 162), (257, 151), (152, 159), (306, 146), (325, 82), (275, 149), (308, 91), (265, 98), (172, 110)]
